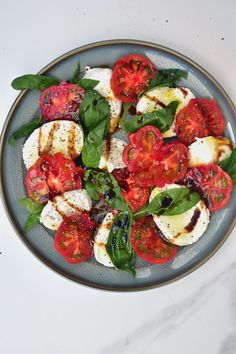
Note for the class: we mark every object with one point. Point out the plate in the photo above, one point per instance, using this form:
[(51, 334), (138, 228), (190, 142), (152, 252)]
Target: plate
[(40, 242)]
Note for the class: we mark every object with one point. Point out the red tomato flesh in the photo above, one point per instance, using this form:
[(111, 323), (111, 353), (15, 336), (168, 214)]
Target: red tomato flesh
[(214, 184), (131, 75), (61, 102), (148, 244), (72, 239), (52, 175)]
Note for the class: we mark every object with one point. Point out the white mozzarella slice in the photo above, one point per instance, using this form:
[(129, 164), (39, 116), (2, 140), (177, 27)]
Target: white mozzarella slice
[(160, 97), (100, 241), (58, 136), (103, 75), (111, 157), (209, 150), (183, 229), (64, 205)]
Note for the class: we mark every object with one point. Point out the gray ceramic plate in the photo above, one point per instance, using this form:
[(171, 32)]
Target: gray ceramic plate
[(40, 241)]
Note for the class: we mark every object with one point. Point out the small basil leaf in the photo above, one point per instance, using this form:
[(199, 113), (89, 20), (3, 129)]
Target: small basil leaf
[(32, 220), (229, 165), (75, 77), (93, 145), (37, 82), (30, 206), (118, 244), (88, 84), (25, 130), (104, 183), (126, 107), (167, 77), (93, 109), (162, 119), (172, 202)]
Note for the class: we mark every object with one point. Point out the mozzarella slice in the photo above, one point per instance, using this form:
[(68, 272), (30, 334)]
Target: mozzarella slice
[(100, 241), (111, 157), (57, 136), (160, 97), (183, 229), (66, 204), (209, 150), (104, 88)]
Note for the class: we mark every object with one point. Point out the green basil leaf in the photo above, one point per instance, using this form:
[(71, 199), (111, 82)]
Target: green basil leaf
[(229, 165), (88, 84), (93, 109), (118, 244), (167, 77), (25, 130), (30, 206), (172, 202), (104, 183), (162, 119), (32, 220), (93, 145), (126, 107), (75, 77), (37, 82)]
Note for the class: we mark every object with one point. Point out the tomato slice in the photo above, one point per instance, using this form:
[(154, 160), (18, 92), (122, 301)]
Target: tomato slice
[(52, 175), (144, 147), (61, 102), (173, 165), (131, 75), (213, 183), (213, 115), (73, 237), (134, 195), (148, 244)]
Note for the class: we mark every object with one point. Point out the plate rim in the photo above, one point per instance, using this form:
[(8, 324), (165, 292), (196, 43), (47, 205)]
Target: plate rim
[(3, 196)]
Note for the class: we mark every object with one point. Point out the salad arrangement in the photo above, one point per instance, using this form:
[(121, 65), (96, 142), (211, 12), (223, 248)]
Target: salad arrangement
[(124, 162)]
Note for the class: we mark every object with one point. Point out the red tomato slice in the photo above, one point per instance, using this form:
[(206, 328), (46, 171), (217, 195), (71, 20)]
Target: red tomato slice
[(144, 147), (134, 195), (131, 75), (213, 183), (52, 175), (148, 244), (213, 114), (61, 102), (173, 165), (190, 123), (73, 237)]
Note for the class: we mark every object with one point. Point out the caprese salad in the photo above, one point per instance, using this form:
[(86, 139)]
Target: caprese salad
[(146, 190)]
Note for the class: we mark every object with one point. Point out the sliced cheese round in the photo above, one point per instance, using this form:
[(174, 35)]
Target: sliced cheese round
[(103, 75), (58, 136), (209, 150), (111, 157), (66, 204), (160, 97), (183, 229), (100, 241)]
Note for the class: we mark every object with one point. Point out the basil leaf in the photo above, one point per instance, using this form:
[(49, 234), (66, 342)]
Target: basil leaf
[(30, 206), (167, 77), (102, 182), (172, 202), (32, 220), (88, 84), (37, 82), (118, 244), (93, 109), (162, 119), (93, 145), (126, 107), (25, 130), (75, 77), (229, 165)]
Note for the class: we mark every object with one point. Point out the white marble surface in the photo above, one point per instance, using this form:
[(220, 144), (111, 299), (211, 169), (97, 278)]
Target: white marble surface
[(41, 312)]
